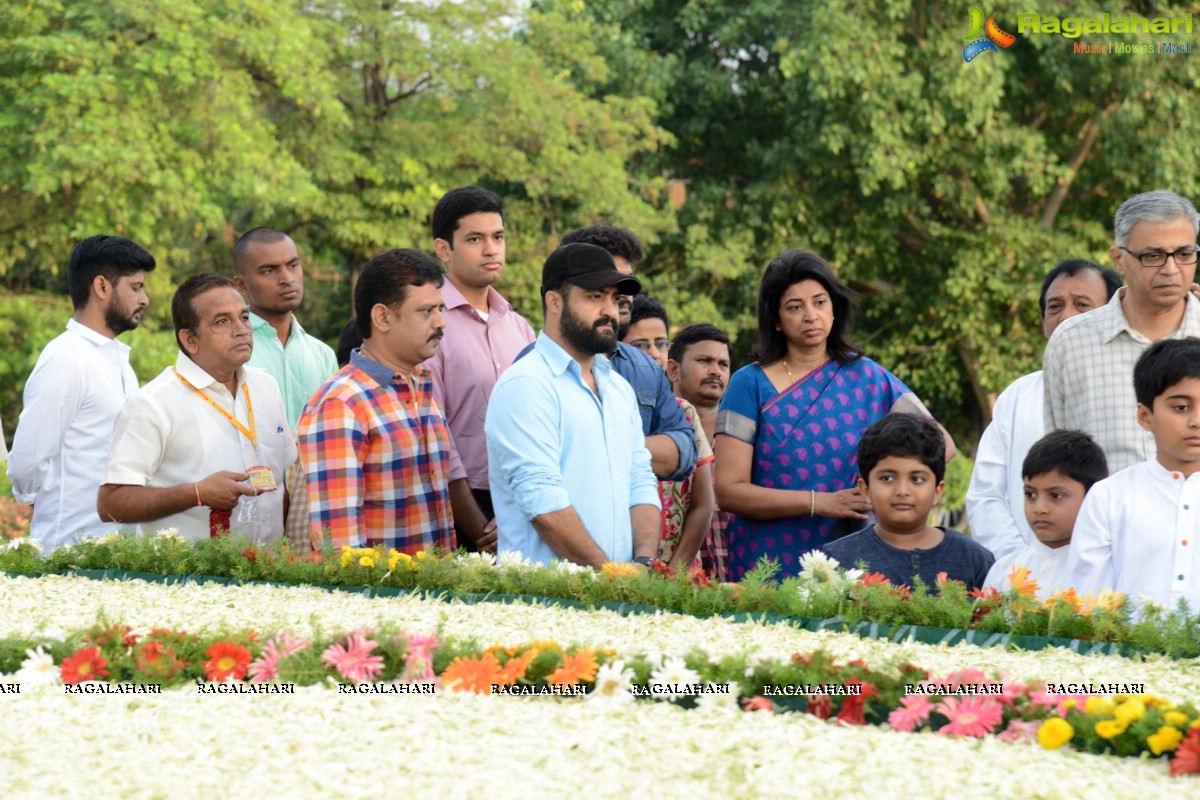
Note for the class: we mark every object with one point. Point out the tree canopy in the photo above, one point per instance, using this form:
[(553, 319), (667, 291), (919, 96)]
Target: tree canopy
[(723, 134)]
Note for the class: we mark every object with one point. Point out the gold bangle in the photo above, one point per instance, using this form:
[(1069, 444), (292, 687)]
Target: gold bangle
[(812, 508), (196, 486)]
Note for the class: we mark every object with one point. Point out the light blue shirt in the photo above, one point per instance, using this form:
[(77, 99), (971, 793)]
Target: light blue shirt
[(300, 368), (552, 443)]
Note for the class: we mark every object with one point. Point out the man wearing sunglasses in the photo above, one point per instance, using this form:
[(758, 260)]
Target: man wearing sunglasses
[(1089, 361)]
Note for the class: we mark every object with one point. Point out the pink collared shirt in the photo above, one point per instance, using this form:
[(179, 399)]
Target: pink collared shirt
[(468, 362)]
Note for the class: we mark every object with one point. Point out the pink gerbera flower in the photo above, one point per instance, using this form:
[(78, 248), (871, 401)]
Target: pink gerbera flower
[(914, 710), (1020, 731), (354, 660), (972, 716), (266, 666), (418, 665), (1010, 692), (967, 676)]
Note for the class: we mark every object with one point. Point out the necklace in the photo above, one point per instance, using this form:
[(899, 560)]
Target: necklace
[(788, 367)]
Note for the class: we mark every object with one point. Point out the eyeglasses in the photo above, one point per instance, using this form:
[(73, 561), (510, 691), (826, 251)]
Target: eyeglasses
[(645, 345), (1184, 257)]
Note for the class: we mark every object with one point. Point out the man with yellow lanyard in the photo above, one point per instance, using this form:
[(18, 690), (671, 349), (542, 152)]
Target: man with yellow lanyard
[(204, 446)]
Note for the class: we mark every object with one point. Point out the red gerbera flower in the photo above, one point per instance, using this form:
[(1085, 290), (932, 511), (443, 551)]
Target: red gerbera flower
[(852, 706), (758, 703), (874, 579), (660, 567), (820, 706), (1187, 754), (226, 660), (86, 665)]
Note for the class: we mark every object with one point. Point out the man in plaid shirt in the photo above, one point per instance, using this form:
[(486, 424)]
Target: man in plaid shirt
[(380, 468)]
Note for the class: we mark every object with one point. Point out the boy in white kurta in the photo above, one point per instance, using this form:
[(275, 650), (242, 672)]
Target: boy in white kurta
[(1058, 471), (1137, 531)]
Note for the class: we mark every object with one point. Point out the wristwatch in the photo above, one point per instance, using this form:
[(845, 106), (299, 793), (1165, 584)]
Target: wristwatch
[(645, 561)]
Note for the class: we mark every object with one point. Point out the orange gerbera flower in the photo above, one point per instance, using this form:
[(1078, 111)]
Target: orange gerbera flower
[(514, 669), (581, 666), (1020, 580), (1068, 595), (226, 660), (874, 579), (474, 674), (86, 665), (613, 570)]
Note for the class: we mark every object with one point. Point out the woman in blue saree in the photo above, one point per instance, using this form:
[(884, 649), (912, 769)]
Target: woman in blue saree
[(789, 424)]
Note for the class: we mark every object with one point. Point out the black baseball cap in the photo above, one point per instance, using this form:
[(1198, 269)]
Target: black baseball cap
[(587, 266)]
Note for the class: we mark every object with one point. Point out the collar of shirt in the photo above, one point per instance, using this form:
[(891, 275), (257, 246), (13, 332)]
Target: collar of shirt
[(95, 337), (380, 373), (258, 323), (198, 377), (453, 298), (559, 360), (1118, 322)]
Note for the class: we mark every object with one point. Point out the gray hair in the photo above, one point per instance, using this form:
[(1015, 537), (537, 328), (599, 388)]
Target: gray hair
[(1157, 206)]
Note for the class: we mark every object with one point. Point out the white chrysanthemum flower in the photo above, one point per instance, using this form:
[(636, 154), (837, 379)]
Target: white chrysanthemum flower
[(513, 559), (817, 566), (673, 679), (726, 700), (569, 566), (108, 538), (38, 669), (478, 558), (170, 534), (853, 575), (614, 683)]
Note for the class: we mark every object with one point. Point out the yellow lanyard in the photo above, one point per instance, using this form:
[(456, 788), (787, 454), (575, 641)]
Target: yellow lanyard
[(251, 432)]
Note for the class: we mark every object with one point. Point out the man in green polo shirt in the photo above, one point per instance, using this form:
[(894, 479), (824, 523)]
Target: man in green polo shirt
[(269, 272)]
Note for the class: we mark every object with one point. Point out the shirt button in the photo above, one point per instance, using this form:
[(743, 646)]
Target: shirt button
[(1180, 577), (1186, 507)]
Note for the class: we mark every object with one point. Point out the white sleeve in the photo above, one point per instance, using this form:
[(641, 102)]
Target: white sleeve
[(993, 523), (1089, 565), (51, 400)]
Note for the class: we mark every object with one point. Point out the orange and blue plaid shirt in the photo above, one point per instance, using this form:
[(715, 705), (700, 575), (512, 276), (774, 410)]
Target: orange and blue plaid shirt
[(377, 460)]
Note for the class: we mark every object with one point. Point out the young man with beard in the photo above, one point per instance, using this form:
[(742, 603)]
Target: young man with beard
[(79, 385), (568, 465), (270, 274)]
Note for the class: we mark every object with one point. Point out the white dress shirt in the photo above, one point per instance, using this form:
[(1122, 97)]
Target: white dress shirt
[(1137, 533), (996, 494), (81, 381), (169, 436), (1046, 565)]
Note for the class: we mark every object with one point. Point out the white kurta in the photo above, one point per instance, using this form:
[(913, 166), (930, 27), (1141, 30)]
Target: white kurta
[(1137, 533), (996, 496), (1047, 566)]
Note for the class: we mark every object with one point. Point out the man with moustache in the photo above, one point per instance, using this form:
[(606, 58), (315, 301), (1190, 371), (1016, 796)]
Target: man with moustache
[(484, 333), (81, 380), (698, 366), (204, 446), (569, 470), (1089, 361), (376, 450), (996, 493), (271, 275)]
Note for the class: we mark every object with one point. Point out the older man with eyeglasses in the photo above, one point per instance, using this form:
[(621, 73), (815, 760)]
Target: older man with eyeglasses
[(1089, 361)]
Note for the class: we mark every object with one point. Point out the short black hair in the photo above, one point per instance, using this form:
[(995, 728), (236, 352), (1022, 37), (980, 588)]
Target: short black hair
[(790, 268), (348, 342), (386, 278), (254, 236), (704, 332), (1164, 364), (462, 202), (904, 436), (1073, 266), (617, 241), (645, 308), (183, 304), (112, 257), (1071, 453)]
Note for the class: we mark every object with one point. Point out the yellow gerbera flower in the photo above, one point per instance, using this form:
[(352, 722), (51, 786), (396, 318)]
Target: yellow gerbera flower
[(1130, 711), (1098, 707), (1110, 728), (1166, 740), (1054, 733)]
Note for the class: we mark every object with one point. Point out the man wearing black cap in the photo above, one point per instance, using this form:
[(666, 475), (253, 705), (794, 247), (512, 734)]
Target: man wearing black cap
[(568, 466)]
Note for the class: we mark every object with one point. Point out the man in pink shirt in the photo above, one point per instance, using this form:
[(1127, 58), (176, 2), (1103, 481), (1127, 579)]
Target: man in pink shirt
[(483, 332)]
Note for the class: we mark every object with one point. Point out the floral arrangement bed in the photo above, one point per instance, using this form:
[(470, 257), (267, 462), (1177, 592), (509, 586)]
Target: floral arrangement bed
[(154, 689)]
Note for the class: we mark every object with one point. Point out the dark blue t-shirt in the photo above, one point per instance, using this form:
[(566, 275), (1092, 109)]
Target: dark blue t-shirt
[(957, 555)]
